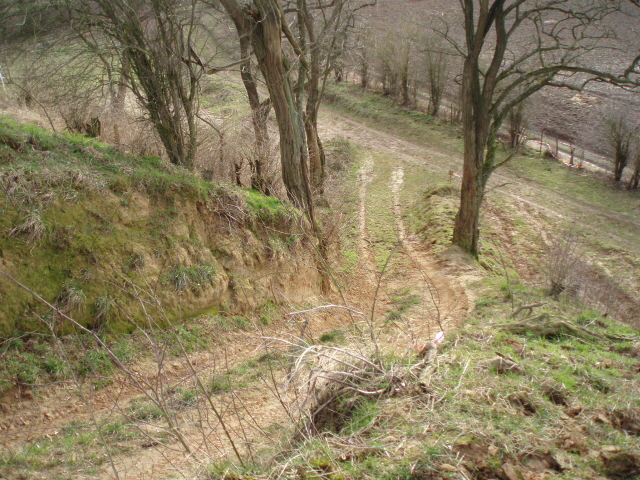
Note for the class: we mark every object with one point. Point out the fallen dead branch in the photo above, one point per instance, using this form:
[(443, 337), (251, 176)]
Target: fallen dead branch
[(529, 308), (544, 325), (339, 379)]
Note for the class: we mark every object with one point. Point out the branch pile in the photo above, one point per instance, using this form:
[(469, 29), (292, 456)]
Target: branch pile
[(339, 380)]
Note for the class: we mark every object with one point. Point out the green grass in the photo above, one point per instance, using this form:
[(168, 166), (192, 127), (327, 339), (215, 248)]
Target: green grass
[(334, 336), (509, 417), (380, 221), (37, 362), (76, 445), (79, 214), (141, 408), (401, 302), (382, 112), (432, 215), (343, 162)]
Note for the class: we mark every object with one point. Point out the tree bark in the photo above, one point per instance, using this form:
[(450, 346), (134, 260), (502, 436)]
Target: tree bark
[(475, 122), (316, 152), (267, 46)]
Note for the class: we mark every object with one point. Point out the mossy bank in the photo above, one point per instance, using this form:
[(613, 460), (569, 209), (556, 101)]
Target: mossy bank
[(113, 240)]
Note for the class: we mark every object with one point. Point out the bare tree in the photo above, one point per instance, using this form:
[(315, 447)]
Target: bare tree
[(322, 35), (437, 71), (45, 65), (387, 53), (155, 39), (435, 60), (618, 135), (362, 52), (496, 67), (315, 38)]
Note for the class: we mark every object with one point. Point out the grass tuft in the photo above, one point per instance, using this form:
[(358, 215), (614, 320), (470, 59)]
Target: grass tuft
[(193, 279)]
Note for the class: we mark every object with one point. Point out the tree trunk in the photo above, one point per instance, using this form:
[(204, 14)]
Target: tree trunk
[(475, 122), (635, 177), (404, 76), (161, 76), (259, 116), (259, 110), (364, 74), (266, 40), (620, 164), (316, 152)]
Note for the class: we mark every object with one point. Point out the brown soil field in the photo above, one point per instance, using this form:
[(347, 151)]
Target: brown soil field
[(574, 117)]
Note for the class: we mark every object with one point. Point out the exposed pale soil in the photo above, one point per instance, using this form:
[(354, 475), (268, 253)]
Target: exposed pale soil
[(27, 416)]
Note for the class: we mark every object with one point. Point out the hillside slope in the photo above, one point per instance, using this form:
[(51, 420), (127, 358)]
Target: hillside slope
[(352, 386), (90, 228)]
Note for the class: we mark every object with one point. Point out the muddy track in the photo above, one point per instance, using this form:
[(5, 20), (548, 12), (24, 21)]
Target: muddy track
[(448, 300), (444, 300), (553, 205), (443, 303)]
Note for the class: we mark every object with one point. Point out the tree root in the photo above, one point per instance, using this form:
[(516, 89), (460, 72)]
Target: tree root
[(545, 326)]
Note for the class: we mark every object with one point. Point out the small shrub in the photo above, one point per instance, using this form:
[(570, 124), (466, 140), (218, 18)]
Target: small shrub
[(241, 322), (188, 278), (402, 302), (340, 154), (135, 262), (227, 324), (333, 336), (563, 263), (142, 409), (60, 237), (219, 383), (94, 362), (180, 338), (53, 366), (183, 397), (123, 351), (25, 369)]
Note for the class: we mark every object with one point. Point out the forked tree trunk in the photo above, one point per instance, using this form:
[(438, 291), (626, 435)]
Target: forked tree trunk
[(619, 165), (267, 46), (264, 18), (479, 123), (259, 116)]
